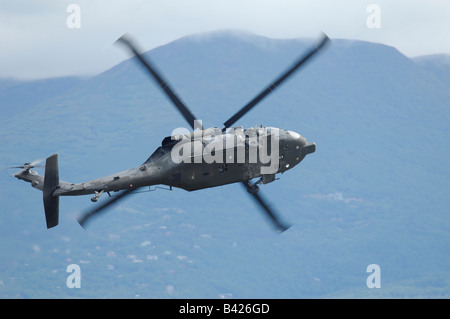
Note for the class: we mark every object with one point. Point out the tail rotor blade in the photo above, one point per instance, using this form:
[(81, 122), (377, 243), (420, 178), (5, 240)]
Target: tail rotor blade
[(27, 165), (34, 163)]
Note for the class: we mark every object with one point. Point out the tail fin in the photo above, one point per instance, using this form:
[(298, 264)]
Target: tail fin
[(51, 183)]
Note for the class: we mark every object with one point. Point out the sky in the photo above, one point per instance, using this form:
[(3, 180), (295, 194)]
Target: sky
[(51, 38)]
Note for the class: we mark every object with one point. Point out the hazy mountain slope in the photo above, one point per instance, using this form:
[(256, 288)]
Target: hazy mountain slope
[(375, 191), (438, 64), (18, 95)]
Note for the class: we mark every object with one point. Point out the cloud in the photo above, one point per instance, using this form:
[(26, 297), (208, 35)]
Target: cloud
[(128, 210), (37, 42), (335, 197)]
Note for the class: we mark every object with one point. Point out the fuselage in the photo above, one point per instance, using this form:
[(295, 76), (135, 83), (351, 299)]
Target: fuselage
[(203, 159)]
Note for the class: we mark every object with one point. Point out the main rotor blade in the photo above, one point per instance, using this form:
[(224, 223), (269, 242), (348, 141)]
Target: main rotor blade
[(87, 216), (276, 83), (156, 75), (273, 217)]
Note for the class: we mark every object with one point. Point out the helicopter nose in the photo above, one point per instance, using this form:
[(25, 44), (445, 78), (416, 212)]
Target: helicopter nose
[(301, 145), (293, 150), (297, 139)]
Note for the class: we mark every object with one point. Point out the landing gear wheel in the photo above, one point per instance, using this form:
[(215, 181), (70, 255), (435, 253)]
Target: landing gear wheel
[(253, 189), (97, 196)]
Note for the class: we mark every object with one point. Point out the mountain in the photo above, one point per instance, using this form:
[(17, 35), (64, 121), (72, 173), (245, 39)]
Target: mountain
[(374, 192), (439, 64), (18, 95)]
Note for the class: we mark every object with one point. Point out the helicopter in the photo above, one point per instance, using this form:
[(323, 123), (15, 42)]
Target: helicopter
[(190, 160)]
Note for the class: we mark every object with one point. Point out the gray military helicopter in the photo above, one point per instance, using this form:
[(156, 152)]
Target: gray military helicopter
[(192, 160)]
